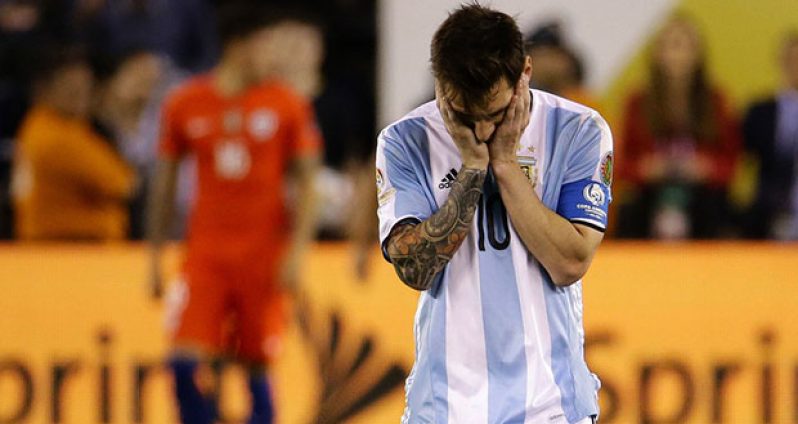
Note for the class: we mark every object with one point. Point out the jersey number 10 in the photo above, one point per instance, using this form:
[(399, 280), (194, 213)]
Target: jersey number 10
[(494, 206)]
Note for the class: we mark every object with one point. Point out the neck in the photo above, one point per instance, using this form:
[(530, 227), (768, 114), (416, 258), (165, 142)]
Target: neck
[(106, 109), (55, 106), (679, 85), (229, 76)]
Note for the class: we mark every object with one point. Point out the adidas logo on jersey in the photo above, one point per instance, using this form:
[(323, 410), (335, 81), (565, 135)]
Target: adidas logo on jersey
[(448, 180)]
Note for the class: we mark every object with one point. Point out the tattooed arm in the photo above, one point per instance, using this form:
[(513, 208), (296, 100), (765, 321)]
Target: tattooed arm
[(420, 251)]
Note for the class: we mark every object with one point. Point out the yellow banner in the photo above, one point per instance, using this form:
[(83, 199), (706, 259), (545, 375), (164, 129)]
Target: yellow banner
[(677, 333)]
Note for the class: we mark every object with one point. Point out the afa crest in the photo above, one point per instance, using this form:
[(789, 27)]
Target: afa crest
[(529, 166), (606, 169)]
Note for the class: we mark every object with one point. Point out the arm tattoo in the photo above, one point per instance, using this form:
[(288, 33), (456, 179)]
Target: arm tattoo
[(420, 251)]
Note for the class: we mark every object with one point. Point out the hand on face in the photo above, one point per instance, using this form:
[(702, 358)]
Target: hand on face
[(473, 152), (505, 141)]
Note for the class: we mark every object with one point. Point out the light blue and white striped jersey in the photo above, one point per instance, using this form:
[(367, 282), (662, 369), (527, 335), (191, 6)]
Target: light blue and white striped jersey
[(496, 340)]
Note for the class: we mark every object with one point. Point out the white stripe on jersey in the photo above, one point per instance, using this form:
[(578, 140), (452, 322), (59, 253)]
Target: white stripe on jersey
[(467, 368)]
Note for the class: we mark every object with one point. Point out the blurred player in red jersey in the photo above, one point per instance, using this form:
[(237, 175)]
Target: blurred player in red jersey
[(251, 135)]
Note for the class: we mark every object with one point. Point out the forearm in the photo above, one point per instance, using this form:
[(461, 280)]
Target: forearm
[(361, 229), (160, 204), (98, 171), (419, 252), (305, 211), (563, 249)]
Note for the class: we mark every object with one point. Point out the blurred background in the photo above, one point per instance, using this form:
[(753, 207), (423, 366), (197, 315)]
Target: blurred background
[(689, 306)]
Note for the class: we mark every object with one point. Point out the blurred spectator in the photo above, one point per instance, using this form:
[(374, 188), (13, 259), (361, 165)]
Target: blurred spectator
[(332, 59), (558, 69), (346, 113), (21, 32), (125, 86), (771, 138), (183, 30), (300, 64), (680, 144), (299, 54), (131, 87), (68, 182), (345, 109)]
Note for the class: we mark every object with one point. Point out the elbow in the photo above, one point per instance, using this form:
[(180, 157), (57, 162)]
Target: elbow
[(413, 277), (417, 285), (414, 280), (569, 272)]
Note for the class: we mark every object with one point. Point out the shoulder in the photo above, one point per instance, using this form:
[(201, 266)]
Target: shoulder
[(567, 112), (762, 106), (43, 124), (721, 102), (634, 102), (550, 100), (414, 123), (280, 94), (190, 91)]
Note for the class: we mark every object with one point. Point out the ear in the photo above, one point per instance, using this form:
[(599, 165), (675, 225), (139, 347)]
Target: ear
[(528, 66)]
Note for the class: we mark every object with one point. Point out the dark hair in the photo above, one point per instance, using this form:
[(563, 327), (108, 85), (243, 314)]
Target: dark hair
[(237, 19), (548, 34), (578, 66), (105, 65), (702, 123), (473, 49), (53, 57), (789, 40)]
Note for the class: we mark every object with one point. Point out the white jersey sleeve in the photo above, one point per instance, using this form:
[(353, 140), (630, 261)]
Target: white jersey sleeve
[(585, 195), (402, 189)]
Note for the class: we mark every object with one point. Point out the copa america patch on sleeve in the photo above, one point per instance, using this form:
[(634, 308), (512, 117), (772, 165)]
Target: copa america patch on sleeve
[(585, 202)]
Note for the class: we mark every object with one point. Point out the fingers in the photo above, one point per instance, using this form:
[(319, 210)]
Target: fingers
[(521, 92), (512, 111), (518, 111), (446, 113), (443, 104), (443, 107), (456, 129), (527, 101), (523, 88), (515, 115)]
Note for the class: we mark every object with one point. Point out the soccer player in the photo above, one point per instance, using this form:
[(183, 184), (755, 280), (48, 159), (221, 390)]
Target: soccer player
[(249, 135), (493, 200)]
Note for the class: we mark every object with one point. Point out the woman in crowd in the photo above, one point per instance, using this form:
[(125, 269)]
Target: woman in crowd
[(680, 144)]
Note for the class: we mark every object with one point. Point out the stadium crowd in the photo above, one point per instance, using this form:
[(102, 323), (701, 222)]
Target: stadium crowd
[(682, 151), (82, 82)]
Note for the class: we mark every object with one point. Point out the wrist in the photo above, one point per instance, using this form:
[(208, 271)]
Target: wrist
[(502, 166), (477, 164), (504, 170), (155, 254)]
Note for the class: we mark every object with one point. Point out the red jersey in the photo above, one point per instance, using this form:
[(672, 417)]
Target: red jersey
[(243, 146)]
